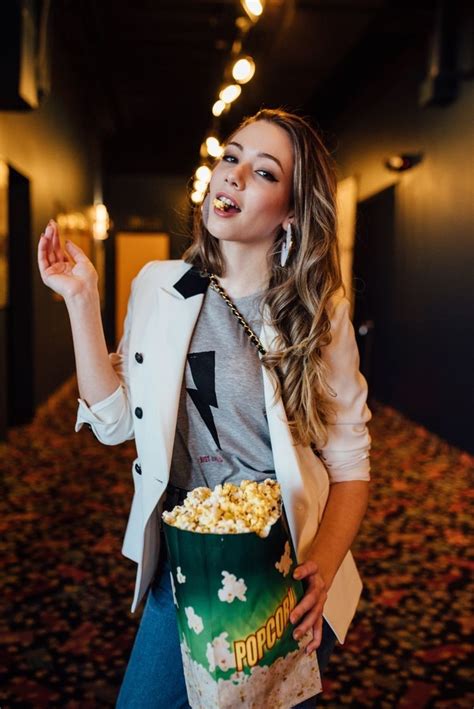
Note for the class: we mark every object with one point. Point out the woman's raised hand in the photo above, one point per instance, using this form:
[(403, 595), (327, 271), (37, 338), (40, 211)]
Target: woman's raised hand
[(71, 276)]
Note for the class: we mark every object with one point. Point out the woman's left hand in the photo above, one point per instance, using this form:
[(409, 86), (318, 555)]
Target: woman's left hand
[(310, 608)]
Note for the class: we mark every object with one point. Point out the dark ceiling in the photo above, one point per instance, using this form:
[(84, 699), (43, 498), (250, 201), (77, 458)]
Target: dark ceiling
[(153, 68)]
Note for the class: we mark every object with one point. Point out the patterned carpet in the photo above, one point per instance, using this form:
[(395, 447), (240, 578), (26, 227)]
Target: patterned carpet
[(65, 626)]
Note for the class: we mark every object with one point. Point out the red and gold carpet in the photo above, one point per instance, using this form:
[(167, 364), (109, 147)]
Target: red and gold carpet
[(65, 626)]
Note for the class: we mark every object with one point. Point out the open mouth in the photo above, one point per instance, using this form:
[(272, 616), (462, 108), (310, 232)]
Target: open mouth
[(225, 204)]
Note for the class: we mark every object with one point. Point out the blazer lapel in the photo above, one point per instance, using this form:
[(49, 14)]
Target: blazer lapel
[(178, 305)]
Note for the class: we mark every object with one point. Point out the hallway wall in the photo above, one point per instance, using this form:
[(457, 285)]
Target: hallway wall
[(57, 148), (434, 217), (143, 203), (153, 202)]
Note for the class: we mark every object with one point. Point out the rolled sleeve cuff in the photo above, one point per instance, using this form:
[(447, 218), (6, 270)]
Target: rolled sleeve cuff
[(106, 411), (357, 468), (345, 463)]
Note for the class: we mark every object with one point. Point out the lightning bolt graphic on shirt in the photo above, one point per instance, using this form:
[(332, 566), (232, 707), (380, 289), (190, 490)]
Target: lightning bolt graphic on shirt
[(203, 370)]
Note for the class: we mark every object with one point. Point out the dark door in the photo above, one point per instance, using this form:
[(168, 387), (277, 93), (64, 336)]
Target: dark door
[(19, 341), (375, 291)]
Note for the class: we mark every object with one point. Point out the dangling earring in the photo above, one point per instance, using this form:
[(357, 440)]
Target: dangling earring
[(286, 246)]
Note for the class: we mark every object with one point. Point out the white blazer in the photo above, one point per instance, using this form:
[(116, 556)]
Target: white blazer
[(164, 304)]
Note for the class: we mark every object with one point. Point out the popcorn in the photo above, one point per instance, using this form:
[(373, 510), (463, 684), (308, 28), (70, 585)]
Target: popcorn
[(229, 509)]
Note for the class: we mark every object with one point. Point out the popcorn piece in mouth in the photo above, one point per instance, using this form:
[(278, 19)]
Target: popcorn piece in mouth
[(229, 509), (224, 203)]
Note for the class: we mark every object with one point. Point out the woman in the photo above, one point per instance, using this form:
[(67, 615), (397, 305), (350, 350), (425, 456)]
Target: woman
[(268, 387)]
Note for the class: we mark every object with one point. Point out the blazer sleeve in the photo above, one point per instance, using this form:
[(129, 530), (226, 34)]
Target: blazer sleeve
[(346, 454), (111, 419)]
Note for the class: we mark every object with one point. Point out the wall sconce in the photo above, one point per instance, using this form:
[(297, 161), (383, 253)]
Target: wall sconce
[(402, 162), (100, 222)]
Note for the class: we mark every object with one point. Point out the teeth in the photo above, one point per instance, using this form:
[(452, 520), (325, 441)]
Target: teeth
[(225, 201)]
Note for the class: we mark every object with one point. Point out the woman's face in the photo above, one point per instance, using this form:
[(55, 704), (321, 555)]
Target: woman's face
[(256, 172)]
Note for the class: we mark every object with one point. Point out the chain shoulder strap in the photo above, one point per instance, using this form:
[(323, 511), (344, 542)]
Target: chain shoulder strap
[(216, 286)]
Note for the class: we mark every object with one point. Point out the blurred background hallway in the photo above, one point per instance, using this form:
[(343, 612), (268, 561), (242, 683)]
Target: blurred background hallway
[(110, 115)]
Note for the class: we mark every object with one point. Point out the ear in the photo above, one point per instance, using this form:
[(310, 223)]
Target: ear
[(289, 219)]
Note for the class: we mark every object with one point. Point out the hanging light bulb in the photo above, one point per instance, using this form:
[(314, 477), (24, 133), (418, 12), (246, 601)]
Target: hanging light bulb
[(200, 185), (203, 173), (218, 107), (253, 8), (243, 70), (197, 196), (213, 147), (230, 93)]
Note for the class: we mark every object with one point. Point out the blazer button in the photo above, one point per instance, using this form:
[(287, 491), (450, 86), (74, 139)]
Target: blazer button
[(138, 412), (138, 468), (139, 357)]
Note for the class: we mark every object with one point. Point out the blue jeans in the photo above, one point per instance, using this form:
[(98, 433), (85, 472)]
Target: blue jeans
[(154, 676)]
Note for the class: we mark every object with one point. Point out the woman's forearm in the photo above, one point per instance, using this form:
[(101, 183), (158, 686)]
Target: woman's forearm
[(96, 377), (345, 509)]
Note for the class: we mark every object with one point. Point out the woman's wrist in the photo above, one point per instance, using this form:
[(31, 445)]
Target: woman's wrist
[(325, 568), (83, 300), (345, 509)]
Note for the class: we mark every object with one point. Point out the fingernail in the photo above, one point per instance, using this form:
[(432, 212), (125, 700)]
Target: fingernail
[(48, 230)]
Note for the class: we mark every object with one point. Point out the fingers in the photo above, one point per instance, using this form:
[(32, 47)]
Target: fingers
[(317, 636), (310, 607), (76, 252), (306, 569), (57, 254), (45, 256), (50, 251), (307, 602), (43, 262), (60, 255), (48, 234), (312, 615), (312, 604), (316, 593)]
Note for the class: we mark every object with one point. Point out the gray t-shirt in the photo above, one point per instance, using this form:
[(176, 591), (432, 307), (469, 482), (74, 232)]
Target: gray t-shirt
[(222, 432)]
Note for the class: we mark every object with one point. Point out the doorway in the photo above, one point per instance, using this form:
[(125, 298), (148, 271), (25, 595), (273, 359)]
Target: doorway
[(374, 292), (16, 308), (132, 251)]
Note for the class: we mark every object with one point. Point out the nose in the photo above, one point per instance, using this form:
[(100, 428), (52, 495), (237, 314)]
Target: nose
[(234, 177)]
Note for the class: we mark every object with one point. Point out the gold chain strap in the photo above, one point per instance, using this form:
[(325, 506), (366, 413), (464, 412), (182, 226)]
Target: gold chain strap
[(216, 286)]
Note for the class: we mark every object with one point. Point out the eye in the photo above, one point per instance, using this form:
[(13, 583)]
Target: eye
[(267, 175), (264, 173)]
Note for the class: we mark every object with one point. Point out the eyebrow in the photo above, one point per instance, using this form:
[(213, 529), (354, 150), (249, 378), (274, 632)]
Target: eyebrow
[(260, 155)]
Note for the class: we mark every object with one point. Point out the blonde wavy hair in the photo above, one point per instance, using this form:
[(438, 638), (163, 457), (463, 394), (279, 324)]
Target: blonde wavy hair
[(299, 294)]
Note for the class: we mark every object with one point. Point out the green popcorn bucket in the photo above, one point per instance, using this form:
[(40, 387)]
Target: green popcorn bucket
[(233, 595)]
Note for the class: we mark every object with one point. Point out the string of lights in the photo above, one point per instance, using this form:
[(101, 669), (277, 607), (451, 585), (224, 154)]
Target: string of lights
[(239, 71)]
